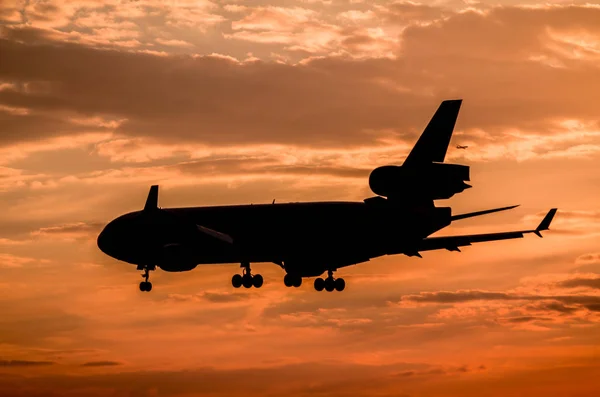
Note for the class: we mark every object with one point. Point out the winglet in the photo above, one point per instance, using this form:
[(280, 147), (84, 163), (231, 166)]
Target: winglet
[(152, 200), (545, 223)]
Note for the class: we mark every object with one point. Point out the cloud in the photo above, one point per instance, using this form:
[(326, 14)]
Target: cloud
[(213, 297), (101, 364), (333, 101), (10, 242), (174, 42), (592, 283), (578, 223), (475, 295), (12, 261), (405, 13), (70, 232), (24, 363)]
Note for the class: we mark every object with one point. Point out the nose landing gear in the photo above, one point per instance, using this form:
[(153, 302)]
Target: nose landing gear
[(146, 286), (246, 278), (330, 283)]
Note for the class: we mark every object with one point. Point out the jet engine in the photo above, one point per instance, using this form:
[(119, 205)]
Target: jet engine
[(435, 181)]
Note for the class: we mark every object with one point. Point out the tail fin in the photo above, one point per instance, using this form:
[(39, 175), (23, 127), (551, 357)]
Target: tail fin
[(433, 143)]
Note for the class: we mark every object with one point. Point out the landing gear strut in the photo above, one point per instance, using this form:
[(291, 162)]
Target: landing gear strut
[(246, 278), (146, 286), (330, 283)]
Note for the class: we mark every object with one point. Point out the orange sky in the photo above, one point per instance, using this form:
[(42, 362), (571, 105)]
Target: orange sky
[(245, 101)]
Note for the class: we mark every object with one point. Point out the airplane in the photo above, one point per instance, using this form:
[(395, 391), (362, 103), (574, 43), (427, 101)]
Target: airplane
[(461, 147), (309, 239)]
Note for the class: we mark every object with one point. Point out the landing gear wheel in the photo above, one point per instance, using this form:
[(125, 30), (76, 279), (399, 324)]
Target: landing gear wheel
[(247, 280), (340, 284), (236, 281), (288, 280), (319, 284), (145, 286), (291, 280), (257, 281), (297, 281), (329, 284)]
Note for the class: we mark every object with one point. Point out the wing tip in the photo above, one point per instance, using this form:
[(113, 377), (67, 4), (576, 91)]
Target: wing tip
[(545, 223)]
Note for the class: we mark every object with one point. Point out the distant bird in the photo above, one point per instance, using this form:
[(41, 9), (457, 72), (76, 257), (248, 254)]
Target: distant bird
[(461, 147)]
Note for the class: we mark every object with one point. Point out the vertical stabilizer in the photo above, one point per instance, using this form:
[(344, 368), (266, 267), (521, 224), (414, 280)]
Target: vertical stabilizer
[(435, 139), (152, 200)]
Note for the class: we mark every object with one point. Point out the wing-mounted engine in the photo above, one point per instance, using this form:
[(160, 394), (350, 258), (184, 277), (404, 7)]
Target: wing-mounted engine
[(177, 257), (179, 239), (433, 181)]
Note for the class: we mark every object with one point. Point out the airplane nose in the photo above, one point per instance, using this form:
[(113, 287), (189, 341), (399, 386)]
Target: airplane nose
[(104, 240)]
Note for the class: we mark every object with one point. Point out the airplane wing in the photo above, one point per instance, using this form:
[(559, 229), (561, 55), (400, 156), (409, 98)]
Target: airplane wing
[(213, 233), (452, 243)]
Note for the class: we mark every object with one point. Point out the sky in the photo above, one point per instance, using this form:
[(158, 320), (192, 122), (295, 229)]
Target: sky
[(247, 101)]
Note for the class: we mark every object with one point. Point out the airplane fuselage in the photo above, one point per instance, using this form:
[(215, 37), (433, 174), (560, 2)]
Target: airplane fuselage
[(308, 237)]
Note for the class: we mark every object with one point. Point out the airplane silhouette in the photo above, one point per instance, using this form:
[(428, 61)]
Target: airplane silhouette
[(310, 238), (461, 147)]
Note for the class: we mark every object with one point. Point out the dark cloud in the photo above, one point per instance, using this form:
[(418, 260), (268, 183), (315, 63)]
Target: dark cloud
[(25, 363), (457, 297), (271, 166), (101, 364), (559, 303), (552, 306), (581, 282), (589, 258), (329, 101), (293, 380), (523, 319), (35, 321), (23, 127), (214, 297)]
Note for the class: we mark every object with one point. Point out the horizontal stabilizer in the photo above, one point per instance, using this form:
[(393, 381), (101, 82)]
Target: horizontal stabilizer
[(478, 213), (453, 243), (435, 139)]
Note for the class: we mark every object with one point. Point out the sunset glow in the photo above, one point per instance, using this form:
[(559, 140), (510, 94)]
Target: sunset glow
[(246, 101)]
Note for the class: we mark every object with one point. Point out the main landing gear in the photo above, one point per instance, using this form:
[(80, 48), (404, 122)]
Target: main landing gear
[(247, 279), (330, 283), (146, 286), (291, 280)]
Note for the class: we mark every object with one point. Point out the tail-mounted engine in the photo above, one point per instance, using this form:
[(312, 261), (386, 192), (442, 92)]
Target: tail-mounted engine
[(434, 181)]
